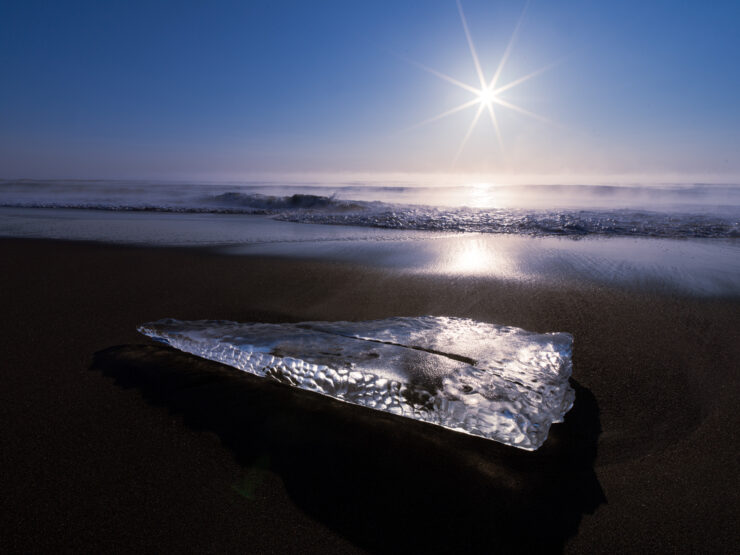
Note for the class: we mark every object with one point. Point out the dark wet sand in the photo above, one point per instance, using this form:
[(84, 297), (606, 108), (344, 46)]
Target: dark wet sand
[(111, 442)]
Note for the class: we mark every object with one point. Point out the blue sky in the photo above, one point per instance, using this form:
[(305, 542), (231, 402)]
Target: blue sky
[(227, 89)]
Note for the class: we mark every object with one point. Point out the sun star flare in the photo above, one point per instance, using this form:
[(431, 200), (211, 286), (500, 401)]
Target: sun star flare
[(487, 93)]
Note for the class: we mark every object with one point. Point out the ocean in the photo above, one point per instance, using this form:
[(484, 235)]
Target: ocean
[(655, 210), (672, 237)]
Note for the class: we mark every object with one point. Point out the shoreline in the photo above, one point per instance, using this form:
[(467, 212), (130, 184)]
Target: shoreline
[(111, 440), (708, 267)]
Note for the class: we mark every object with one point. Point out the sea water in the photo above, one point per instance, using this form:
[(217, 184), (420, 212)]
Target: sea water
[(671, 236), (656, 210)]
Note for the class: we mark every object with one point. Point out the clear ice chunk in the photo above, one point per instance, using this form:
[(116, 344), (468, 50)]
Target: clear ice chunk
[(497, 382)]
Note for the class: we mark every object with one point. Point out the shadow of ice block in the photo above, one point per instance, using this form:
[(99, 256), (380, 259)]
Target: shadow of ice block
[(498, 382)]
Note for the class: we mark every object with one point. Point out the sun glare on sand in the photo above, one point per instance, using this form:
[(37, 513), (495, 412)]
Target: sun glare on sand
[(487, 93)]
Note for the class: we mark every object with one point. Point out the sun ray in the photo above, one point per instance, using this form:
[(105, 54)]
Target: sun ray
[(470, 131), (495, 125), (442, 75), (516, 108), (509, 46), (445, 114), (476, 61), (525, 78)]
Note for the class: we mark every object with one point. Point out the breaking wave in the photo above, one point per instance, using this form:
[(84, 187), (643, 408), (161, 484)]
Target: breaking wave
[(575, 223)]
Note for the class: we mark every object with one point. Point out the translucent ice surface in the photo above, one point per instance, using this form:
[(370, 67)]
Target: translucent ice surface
[(498, 382)]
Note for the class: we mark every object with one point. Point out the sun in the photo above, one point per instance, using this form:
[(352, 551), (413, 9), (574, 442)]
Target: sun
[(487, 93), (486, 97)]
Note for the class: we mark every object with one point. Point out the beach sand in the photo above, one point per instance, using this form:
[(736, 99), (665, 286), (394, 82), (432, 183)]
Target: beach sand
[(112, 442)]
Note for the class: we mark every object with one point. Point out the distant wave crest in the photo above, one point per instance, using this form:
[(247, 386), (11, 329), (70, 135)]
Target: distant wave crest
[(270, 203)]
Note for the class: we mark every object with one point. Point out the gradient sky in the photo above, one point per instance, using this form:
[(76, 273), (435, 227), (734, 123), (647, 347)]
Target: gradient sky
[(121, 89)]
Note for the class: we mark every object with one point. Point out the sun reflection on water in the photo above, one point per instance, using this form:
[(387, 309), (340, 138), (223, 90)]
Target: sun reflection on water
[(483, 195), (475, 255)]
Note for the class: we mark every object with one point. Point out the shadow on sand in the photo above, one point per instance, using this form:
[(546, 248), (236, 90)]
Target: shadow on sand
[(383, 482)]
